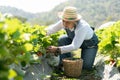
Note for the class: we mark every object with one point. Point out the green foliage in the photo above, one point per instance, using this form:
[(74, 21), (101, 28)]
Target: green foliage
[(96, 12), (19, 42), (110, 41)]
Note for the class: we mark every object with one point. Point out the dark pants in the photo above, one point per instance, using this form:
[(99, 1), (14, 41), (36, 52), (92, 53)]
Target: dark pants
[(87, 53)]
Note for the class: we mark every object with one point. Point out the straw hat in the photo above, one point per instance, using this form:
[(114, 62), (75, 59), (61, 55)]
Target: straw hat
[(69, 14)]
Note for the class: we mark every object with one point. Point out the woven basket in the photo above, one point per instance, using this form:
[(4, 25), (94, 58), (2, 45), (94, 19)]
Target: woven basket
[(72, 67)]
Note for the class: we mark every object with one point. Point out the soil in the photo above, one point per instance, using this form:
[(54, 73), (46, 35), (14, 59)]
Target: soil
[(85, 75)]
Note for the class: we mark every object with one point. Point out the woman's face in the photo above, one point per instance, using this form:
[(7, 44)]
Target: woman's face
[(69, 24)]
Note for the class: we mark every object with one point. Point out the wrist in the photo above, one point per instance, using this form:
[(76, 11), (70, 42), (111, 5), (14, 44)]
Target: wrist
[(58, 51)]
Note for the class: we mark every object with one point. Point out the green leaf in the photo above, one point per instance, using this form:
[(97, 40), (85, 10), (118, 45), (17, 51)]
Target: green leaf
[(16, 35), (12, 74), (28, 46)]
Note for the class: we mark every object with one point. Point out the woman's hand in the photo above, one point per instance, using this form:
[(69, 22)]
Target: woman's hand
[(53, 49)]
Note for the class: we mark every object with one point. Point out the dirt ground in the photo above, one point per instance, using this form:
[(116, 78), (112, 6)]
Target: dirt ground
[(85, 75), (100, 72)]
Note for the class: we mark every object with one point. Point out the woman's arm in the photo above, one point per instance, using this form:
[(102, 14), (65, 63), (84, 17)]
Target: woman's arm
[(80, 35), (54, 28)]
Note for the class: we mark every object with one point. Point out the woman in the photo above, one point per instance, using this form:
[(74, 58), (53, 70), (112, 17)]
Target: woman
[(79, 35)]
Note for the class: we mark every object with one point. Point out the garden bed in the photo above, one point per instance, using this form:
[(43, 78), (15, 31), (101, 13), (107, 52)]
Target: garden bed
[(100, 72)]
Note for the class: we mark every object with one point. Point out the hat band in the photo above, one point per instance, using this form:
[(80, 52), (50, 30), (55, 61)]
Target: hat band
[(70, 18)]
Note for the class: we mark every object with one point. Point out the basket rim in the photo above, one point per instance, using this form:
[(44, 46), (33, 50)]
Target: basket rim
[(72, 59)]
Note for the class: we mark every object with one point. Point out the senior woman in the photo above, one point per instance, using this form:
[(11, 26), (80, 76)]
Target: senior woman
[(79, 35)]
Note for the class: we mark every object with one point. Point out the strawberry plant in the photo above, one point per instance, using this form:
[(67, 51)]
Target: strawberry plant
[(19, 44), (110, 42)]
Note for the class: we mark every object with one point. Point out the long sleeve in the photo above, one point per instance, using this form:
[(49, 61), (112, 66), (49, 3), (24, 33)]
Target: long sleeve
[(54, 28), (82, 33)]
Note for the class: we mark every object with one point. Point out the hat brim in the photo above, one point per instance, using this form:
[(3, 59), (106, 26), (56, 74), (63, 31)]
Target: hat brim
[(60, 15)]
